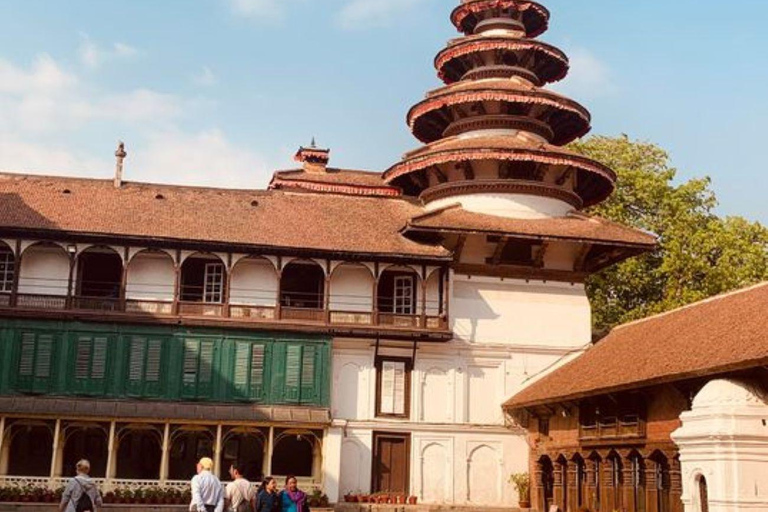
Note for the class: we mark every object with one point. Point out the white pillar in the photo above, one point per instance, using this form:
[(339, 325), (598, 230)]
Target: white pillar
[(110, 474), (270, 450), (165, 453), (331, 467), (217, 452), (55, 450)]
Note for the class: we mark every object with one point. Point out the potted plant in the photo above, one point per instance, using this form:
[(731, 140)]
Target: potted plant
[(412, 500), (522, 483)]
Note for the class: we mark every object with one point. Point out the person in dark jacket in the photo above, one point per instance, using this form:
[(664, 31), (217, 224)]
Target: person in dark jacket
[(267, 499)]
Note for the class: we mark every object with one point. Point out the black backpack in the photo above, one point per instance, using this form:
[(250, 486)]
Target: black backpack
[(85, 503)]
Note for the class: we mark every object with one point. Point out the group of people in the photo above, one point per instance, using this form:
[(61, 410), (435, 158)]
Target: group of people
[(239, 495), (82, 494)]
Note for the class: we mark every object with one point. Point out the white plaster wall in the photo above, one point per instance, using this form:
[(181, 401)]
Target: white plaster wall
[(356, 460), (44, 271), (433, 294), (151, 276), (513, 312), (352, 289), (515, 206), (254, 283)]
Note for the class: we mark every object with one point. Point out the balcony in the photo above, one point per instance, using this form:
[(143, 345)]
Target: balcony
[(612, 429), (202, 288)]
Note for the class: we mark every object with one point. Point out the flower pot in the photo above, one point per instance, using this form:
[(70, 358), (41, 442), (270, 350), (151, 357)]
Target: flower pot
[(524, 504), (412, 500)]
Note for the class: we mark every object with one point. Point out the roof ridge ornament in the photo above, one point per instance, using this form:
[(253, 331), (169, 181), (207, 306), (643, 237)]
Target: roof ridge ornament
[(315, 159)]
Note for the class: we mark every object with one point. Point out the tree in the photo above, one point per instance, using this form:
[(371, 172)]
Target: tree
[(699, 255)]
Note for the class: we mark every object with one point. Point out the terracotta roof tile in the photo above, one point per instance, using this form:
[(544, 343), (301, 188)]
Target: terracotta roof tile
[(338, 181), (576, 226), (279, 219), (719, 335)]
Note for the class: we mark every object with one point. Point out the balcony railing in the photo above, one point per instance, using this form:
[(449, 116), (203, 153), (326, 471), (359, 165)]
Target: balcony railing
[(612, 428), (239, 312)]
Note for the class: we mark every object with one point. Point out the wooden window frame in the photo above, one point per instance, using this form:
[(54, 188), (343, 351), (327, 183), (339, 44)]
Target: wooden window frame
[(89, 384), (7, 270), (379, 363), (33, 382), (376, 435)]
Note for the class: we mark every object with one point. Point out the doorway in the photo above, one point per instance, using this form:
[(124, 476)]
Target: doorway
[(391, 462)]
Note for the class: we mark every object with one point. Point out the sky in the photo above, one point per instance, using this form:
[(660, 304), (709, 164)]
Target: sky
[(223, 92)]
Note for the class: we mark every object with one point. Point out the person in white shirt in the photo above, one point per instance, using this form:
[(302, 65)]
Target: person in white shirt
[(239, 494), (207, 494), (79, 486)]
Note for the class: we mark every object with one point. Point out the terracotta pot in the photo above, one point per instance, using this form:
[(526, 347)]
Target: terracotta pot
[(525, 504), (412, 500)]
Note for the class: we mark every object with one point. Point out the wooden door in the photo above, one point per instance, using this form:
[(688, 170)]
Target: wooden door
[(391, 457)]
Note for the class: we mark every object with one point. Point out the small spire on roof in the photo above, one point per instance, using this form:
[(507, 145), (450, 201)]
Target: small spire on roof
[(120, 155), (314, 159)]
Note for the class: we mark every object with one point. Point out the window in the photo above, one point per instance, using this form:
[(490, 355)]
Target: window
[(301, 382), (35, 369), (214, 283), (144, 366), (544, 427), (393, 383), (90, 364), (404, 296), (7, 270), (248, 367), (197, 379)]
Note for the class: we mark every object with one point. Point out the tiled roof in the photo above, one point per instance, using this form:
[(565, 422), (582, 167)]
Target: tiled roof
[(341, 181), (575, 226), (719, 335), (263, 219)]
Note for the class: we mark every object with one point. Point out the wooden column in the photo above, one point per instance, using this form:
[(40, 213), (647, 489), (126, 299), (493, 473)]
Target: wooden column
[(278, 305), (177, 283), (675, 483), (375, 316), (165, 453), (423, 296), (55, 450), (327, 292), (124, 278), (16, 274), (70, 292), (217, 452), (447, 295), (228, 286), (111, 454)]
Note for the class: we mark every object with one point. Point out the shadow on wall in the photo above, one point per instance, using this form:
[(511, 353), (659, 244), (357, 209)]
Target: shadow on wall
[(469, 305)]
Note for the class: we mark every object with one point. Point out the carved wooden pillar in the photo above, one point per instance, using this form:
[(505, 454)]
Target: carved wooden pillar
[(423, 296), (376, 275), (675, 484), (327, 292), (560, 486), (573, 485), (592, 486), (177, 283), (16, 274), (278, 304), (538, 497), (611, 499)]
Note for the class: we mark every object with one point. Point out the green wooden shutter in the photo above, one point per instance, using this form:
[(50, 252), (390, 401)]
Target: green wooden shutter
[(190, 369), (205, 376), (43, 363), (258, 358), (26, 368), (89, 365), (137, 352), (309, 392), (293, 373), (153, 386), (241, 369)]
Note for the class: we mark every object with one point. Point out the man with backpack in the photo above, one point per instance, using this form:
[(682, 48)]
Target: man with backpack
[(239, 494), (81, 494)]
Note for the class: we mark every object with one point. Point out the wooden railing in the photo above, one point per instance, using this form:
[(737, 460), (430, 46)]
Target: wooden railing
[(612, 428), (240, 312)]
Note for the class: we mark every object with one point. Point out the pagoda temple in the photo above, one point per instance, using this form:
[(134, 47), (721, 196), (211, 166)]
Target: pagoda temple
[(494, 156)]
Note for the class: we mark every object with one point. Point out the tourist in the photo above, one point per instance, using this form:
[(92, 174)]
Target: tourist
[(291, 498), (238, 494), (207, 495), (81, 494), (268, 499)]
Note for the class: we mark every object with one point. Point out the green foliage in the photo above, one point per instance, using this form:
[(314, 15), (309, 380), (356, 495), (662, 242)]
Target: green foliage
[(522, 483), (700, 254)]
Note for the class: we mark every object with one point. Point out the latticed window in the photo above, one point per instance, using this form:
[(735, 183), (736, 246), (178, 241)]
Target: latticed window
[(144, 366), (7, 269), (404, 296), (214, 283), (198, 368), (34, 372), (300, 373), (249, 370), (90, 364)]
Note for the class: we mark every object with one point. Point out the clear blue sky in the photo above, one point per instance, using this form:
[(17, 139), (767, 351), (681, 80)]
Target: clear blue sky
[(222, 92)]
